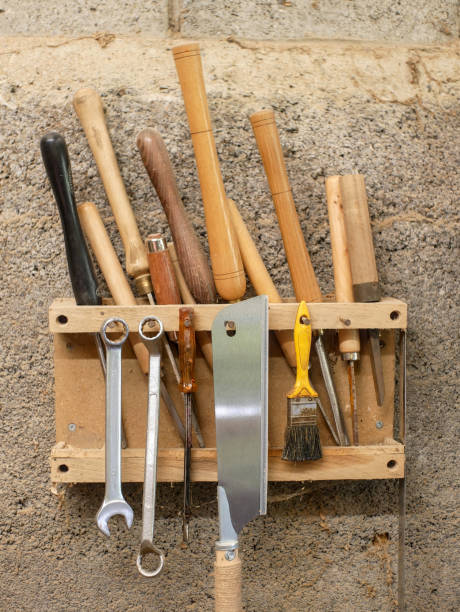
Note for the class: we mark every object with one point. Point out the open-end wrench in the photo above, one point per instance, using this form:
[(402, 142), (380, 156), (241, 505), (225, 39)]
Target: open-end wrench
[(151, 448), (114, 502)]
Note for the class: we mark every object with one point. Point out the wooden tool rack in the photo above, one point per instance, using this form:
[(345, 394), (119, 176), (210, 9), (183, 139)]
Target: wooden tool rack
[(78, 455)]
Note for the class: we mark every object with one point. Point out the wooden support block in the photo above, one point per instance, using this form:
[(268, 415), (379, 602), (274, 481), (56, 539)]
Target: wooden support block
[(66, 317), (338, 463)]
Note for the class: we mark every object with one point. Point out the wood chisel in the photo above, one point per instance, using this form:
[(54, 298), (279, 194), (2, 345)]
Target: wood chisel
[(120, 290), (88, 106), (84, 284), (226, 261), (167, 292), (240, 344), (302, 441), (348, 338), (187, 387), (190, 253), (362, 260), (302, 274), (203, 337)]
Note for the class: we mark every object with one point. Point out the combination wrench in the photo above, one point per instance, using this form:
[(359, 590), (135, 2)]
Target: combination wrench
[(151, 447), (114, 502)]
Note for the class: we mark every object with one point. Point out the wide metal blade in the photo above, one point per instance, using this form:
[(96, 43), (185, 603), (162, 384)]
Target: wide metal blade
[(240, 363)]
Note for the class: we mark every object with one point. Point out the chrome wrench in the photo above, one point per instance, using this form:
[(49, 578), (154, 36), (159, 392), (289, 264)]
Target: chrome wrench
[(114, 502), (151, 448)]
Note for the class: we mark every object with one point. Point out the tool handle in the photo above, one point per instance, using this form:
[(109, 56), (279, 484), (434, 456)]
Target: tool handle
[(161, 269), (259, 276), (189, 250), (302, 339), (348, 338), (360, 244), (203, 337), (57, 164), (110, 266), (88, 106), (302, 274), (227, 576), (186, 350), (227, 266)]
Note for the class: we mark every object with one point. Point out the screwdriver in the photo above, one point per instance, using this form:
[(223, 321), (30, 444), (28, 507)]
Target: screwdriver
[(88, 106), (348, 338), (84, 284), (362, 260)]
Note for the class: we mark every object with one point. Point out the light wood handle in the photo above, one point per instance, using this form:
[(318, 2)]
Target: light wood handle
[(302, 274), (226, 261), (192, 258), (348, 338), (228, 583), (259, 276), (360, 244), (110, 266), (203, 337), (88, 106)]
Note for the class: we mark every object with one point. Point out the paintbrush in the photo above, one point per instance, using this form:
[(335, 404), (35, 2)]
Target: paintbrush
[(302, 442)]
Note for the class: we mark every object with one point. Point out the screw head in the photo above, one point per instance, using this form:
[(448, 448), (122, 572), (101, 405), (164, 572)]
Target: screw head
[(379, 424), (230, 555), (72, 427)]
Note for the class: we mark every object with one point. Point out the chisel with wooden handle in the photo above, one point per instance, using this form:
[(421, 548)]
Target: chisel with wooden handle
[(362, 260), (306, 287), (226, 261), (84, 284), (118, 285), (167, 292), (203, 337), (88, 106), (348, 338), (190, 253)]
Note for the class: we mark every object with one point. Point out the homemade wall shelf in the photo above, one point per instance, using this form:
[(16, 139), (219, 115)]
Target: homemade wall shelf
[(78, 455)]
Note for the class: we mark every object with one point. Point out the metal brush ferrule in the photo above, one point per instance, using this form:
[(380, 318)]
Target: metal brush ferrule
[(302, 411)]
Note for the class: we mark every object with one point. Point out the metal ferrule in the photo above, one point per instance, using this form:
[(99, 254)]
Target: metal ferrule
[(155, 243), (143, 284), (350, 356)]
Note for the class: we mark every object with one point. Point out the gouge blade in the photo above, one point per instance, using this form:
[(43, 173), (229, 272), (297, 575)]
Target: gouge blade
[(377, 367), (240, 350)]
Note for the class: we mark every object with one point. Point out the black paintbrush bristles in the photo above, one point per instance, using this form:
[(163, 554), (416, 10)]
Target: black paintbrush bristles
[(302, 442)]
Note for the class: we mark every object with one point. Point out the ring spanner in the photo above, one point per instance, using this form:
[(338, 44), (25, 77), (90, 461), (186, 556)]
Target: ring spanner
[(151, 449), (114, 502)]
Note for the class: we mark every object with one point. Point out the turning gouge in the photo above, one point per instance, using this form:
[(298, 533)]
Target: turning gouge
[(84, 284), (240, 344), (88, 106), (303, 277), (190, 253), (348, 338), (362, 260), (120, 290), (226, 261)]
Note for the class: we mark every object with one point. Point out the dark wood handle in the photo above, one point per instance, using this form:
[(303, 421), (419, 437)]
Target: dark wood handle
[(190, 253), (302, 274), (56, 160), (187, 349), (360, 244)]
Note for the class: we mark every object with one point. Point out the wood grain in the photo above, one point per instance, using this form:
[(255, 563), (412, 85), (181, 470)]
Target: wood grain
[(302, 274), (162, 273), (226, 261), (190, 253), (88, 106)]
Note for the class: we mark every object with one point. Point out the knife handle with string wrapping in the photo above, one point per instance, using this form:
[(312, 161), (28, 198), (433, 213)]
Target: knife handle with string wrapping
[(227, 574)]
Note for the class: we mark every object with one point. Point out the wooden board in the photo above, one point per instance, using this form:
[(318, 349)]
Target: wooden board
[(66, 317), (338, 463)]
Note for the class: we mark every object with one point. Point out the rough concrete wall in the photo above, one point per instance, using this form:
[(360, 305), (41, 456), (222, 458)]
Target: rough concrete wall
[(388, 112)]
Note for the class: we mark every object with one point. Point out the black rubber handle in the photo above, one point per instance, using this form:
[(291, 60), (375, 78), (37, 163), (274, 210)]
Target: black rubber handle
[(56, 159)]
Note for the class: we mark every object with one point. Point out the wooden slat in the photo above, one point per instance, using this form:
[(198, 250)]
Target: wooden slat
[(338, 463), (66, 317)]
